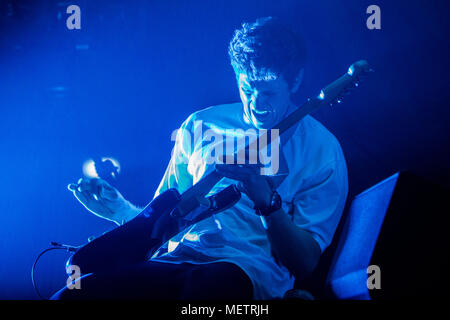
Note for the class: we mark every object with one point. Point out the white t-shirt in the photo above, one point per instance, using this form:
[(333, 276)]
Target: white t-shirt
[(314, 192)]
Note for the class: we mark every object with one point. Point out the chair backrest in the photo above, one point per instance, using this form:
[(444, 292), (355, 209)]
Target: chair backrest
[(347, 276), (400, 225)]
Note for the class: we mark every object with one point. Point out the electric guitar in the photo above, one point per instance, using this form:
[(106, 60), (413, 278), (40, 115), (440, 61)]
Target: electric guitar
[(171, 212)]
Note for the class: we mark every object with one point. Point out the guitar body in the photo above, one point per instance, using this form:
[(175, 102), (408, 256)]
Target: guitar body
[(137, 240), (132, 242)]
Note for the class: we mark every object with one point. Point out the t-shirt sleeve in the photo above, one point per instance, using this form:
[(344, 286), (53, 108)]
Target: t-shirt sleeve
[(319, 203), (177, 175)]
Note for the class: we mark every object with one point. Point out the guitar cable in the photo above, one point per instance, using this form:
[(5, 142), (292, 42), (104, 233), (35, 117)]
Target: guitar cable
[(54, 246)]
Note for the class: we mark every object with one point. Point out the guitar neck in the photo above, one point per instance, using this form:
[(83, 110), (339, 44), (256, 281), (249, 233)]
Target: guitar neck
[(203, 186), (308, 107), (297, 115), (327, 96)]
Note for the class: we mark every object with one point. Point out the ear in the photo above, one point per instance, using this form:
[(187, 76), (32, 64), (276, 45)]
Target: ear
[(298, 81)]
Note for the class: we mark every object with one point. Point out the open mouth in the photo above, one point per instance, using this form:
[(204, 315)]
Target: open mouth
[(261, 113)]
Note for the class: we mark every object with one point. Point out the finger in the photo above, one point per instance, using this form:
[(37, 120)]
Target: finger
[(91, 187), (233, 174), (82, 182), (84, 193), (84, 197), (87, 184), (108, 192), (72, 186), (253, 168), (241, 187), (236, 168)]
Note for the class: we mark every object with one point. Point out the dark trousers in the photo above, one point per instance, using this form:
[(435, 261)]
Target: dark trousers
[(159, 280)]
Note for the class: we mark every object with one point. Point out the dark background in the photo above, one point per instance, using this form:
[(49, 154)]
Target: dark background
[(119, 87)]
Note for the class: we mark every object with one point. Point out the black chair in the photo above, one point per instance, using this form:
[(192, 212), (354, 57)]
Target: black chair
[(398, 225)]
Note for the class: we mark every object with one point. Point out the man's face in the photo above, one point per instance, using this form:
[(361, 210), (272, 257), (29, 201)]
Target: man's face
[(265, 102)]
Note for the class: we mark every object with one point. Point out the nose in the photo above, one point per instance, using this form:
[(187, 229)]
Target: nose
[(258, 100)]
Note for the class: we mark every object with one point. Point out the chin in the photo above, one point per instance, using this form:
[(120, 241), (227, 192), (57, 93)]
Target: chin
[(264, 125)]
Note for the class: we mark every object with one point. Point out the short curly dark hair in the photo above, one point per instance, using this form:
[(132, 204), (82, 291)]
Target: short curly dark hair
[(267, 49)]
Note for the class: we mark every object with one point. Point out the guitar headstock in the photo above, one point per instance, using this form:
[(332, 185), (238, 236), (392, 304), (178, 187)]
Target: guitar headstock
[(359, 68), (333, 93)]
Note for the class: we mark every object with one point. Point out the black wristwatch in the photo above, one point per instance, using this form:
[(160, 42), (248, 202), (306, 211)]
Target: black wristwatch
[(275, 205)]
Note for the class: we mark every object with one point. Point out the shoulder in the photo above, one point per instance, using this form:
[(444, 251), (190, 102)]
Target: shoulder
[(318, 142), (229, 114), (219, 111)]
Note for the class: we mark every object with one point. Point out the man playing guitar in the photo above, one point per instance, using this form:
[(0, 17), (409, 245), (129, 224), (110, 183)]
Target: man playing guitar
[(276, 232)]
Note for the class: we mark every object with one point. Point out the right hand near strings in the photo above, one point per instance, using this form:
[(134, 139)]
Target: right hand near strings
[(103, 200)]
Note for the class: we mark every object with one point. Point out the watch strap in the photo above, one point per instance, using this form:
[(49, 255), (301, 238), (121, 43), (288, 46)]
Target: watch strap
[(275, 205)]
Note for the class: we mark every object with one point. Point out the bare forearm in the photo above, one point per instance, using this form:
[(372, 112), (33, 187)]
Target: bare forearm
[(295, 247)]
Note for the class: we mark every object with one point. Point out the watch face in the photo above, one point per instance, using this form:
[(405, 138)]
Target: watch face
[(276, 201)]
